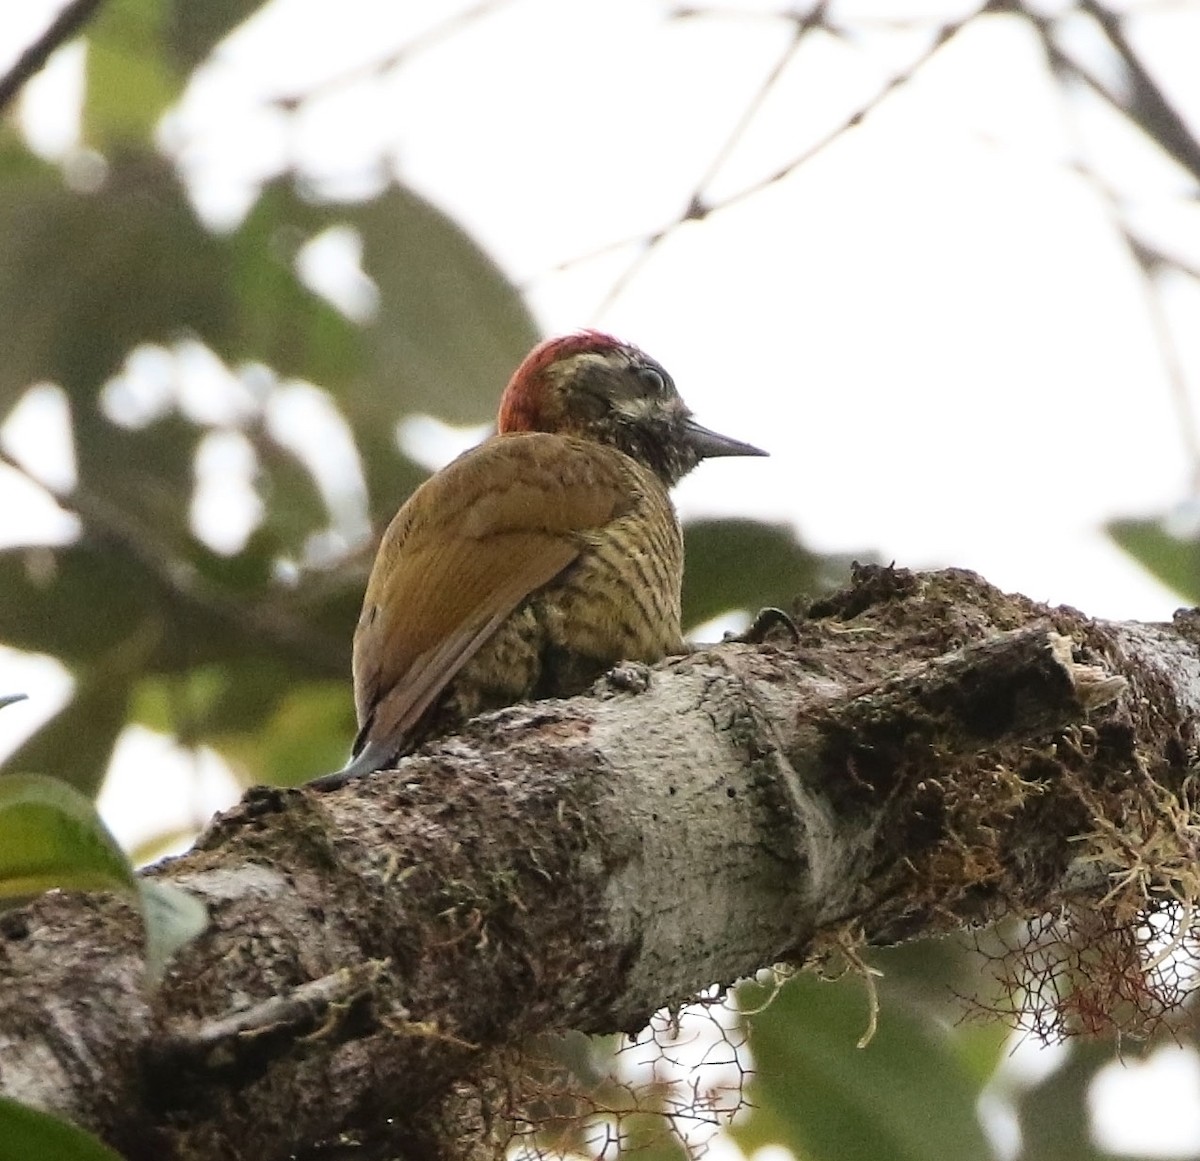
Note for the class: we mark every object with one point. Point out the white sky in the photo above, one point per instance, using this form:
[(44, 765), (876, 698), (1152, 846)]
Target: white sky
[(932, 326)]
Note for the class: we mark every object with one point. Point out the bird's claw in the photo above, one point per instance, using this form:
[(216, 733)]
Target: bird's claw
[(767, 621)]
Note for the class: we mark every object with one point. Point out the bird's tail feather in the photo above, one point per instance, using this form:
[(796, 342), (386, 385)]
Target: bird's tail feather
[(372, 756)]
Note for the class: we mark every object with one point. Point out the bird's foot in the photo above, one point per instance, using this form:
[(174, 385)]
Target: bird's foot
[(763, 625)]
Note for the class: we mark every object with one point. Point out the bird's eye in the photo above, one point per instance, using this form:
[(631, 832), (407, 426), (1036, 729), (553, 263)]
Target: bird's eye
[(653, 380)]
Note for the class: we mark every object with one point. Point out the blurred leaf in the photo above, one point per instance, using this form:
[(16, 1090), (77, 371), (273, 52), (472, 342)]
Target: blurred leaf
[(258, 713), (299, 334), (75, 602), (650, 1138), (744, 564), (309, 733), (84, 278), (27, 1133), (450, 329), (51, 836), (230, 697), (129, 81), (281, 322), (293, 507), (141, 54), (246, 572), (268, 724), (173, 918), (17, 163), (194, 30), (142, 478), (1171, 560), (81, 601), (932, 975), (10, 698), (77, 743), (1053, 1115), (926, 979), (905, 1097)]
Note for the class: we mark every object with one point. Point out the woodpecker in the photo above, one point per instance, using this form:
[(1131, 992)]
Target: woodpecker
[(537, 560)]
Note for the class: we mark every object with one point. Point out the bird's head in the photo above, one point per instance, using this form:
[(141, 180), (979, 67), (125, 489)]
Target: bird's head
[(592, 385)]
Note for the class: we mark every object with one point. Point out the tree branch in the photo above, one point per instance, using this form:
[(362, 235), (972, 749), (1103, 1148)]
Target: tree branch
[(931, 754), (64, 26)]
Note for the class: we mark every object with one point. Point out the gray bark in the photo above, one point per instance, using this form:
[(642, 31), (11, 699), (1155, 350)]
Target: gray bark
[(924, 757)]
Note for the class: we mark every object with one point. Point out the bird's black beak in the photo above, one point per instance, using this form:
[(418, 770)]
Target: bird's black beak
[(707, 444)]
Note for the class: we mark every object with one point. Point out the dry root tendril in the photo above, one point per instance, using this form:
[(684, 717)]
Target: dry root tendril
[(1124, 965), (682, 1079)]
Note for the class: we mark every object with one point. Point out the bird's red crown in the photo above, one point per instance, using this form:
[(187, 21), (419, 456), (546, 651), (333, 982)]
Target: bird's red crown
[(520, 405)]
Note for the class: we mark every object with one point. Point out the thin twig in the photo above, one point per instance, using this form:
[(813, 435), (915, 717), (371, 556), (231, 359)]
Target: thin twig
[(1148, 106), (391, 58), (64, 26), (801, 28), (1148, 260), (699, 208), (945, 34)]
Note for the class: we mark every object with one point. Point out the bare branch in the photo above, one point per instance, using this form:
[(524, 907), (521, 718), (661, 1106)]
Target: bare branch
[(1148, 259), (392, 58), (64, 26), (1147, 106), (699, 207), (930, 755)]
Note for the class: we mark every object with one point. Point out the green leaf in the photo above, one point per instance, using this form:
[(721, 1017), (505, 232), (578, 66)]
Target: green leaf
[(308, 733), (75, 602), (1053, 1114), (744, 564), (905, 1097), (173, 918), (450, 329), (51, 836), (271, 727), (211, 698), (142, 479), (1171, 560), (85, 601), (650, 1137), (293, 507), (141, 54), (129, 80), (937, 980), (17, 163), (78, 741), (27, 1133), (280, 321), (194, 30), (85, 277)]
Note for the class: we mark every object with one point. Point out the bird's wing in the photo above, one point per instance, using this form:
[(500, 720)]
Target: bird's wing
[(469, 546)]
